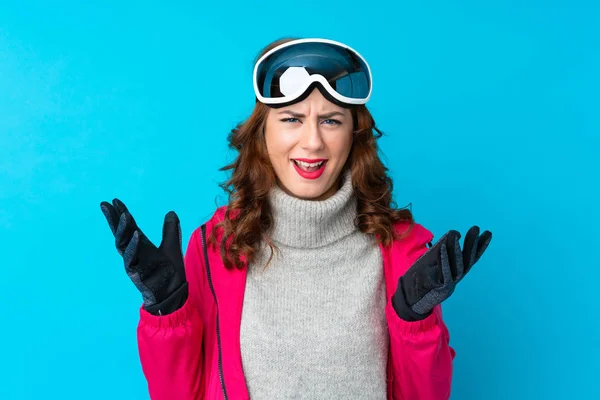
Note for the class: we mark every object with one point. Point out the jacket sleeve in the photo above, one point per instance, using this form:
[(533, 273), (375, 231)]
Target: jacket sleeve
[(421, 354), (170, 346)]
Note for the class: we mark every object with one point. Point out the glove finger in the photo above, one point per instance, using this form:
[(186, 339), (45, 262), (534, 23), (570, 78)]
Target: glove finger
[(446, 269), (122, 209), (111, 215), (119, 206), (470, 261), (451, 250), (461, 269), (470, 246), (130, 252), (171, 240), (125, 231), (484, 242)]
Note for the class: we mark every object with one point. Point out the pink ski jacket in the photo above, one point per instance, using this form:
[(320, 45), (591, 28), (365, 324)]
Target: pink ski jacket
[(194, 353)]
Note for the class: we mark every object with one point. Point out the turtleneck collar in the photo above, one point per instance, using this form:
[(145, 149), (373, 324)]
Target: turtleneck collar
[(303, 223)]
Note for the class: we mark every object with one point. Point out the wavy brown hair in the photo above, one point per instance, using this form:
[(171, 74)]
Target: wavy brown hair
[(248, 216)]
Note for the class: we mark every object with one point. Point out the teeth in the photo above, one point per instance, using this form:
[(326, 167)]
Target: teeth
[(306, 165)]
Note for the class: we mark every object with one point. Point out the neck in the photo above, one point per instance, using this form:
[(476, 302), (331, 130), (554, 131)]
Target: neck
[(303, 223)]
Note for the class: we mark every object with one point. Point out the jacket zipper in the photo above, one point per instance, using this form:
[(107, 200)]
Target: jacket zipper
[(203, 230)]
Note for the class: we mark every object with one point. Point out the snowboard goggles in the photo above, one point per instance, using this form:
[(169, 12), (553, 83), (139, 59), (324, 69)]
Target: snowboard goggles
[(287, 73)]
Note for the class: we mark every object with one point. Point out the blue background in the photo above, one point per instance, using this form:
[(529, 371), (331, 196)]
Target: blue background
[(491, 115)]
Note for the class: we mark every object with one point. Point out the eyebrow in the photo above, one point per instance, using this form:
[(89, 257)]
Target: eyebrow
[(300, 115)]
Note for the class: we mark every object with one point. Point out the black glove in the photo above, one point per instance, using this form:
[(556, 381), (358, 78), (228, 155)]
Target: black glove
[(433, 277), (158, 273)]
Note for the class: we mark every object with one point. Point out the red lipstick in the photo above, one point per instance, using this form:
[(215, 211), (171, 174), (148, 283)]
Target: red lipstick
[(310, 174)]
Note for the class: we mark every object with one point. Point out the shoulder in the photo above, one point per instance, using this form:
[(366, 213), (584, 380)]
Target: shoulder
[(411, 242), (218, 216), (412, 232), (199, 238), (194, 259), (209, 224)]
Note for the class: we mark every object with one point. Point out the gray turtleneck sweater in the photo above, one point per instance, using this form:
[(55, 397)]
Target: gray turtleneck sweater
[(313, 323)]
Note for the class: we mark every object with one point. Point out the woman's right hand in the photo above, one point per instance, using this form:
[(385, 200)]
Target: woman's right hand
[(157, 272)]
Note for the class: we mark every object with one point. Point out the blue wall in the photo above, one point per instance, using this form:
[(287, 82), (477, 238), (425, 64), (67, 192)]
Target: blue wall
[(491, 113)]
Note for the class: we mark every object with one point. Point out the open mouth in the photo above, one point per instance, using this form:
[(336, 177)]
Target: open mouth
[(309, 169)]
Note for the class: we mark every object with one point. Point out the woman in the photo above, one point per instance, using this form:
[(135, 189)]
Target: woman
[(309, 283)]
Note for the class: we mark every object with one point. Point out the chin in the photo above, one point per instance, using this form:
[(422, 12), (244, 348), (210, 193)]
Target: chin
[(304, 190), (308, 194), (307, 189)]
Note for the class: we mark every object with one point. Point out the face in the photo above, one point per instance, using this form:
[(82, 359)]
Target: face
[(308, 144)]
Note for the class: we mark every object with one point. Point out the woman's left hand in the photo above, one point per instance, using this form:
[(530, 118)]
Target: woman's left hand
[(433, 277)]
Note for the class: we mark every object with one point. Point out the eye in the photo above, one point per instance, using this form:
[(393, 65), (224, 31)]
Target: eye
[(291, 119), (332, 122)]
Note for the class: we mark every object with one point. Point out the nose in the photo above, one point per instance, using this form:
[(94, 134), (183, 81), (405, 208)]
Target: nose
[(311, 139)]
